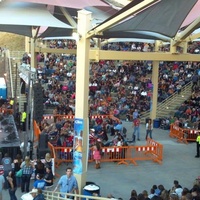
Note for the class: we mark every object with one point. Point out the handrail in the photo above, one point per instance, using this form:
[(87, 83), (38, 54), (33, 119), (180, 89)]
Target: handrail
[(165, 103), (57, 196), (175, 95)]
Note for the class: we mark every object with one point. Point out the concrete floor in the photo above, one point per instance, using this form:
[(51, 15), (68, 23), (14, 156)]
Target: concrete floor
[(178, 163)]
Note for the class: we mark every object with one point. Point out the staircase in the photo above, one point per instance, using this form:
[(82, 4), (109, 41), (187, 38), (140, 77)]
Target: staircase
[(169, 106)]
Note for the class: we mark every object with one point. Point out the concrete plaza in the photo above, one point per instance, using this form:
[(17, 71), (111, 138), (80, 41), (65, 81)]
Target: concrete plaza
[(179, 163)]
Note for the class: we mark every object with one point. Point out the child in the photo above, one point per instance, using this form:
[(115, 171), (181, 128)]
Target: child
[(97, 155)]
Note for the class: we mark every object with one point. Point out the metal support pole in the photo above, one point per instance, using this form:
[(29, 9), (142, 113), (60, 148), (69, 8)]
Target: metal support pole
[(31, 137), (26, 133), (15, 94), (155, 73), (82, 93)]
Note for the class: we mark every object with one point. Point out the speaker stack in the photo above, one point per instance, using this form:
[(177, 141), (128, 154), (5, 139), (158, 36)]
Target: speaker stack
[(38, 102), (42, 146)]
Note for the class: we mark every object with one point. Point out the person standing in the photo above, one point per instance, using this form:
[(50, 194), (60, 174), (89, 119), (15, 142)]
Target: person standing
[(68, 183), (23, 121), (2, 181), (135, 114), (136, 125), (97, 155), (12, 185), (27, 149), (7, 166), (198, 144), (17, 164), (195, 80), (149, 128), (27, 170)]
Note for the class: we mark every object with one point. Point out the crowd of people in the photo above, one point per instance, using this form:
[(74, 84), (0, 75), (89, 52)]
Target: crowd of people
[(159, 192), (17, 173), (114, 87)]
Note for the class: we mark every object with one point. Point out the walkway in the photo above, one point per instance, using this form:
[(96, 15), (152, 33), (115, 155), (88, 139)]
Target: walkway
[(179, 163)]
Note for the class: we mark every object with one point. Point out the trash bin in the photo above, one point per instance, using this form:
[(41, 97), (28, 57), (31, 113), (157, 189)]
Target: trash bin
[(156, 123), (88, 190)]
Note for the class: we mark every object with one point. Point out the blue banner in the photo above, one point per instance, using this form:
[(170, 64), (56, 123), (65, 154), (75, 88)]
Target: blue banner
[(78, 145)]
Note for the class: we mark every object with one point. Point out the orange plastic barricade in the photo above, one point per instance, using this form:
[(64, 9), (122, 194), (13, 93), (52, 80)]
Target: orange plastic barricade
[(121, 155), (183, 135), (191, 134), (71, 117), (53, 155), (157, 151), (152, 151), (36, 131), (178, 133), (114, 154), (63, 155)]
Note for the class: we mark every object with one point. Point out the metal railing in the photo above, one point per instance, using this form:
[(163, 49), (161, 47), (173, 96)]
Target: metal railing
[(58, 196), (171, 101), (185, 91)]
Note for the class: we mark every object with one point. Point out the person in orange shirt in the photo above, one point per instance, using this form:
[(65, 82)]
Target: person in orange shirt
[(188, 112)]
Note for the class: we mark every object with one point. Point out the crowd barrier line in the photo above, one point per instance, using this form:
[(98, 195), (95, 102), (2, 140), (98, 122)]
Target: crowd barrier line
[(37, 131), (183, 135), (121, 155), (71, 117)]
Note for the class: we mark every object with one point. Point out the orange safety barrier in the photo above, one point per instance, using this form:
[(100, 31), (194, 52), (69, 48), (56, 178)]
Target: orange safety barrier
[(53, 155), (183, 135), (178, 133), (191, 134), (51, 147), (6, 111), (158, 151), (72, 117), (37, 131), (122, 155)]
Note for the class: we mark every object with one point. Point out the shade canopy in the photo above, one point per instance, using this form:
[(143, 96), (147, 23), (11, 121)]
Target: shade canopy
[(27, 15), (160, 21)]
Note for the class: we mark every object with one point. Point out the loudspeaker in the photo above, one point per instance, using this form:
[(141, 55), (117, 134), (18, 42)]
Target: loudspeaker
[(38, 102), (43, 141), (41, 152)]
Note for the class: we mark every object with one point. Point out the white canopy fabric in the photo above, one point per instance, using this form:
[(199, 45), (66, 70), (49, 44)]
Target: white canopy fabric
[(79, 4), (20, 13), (25, 15)]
